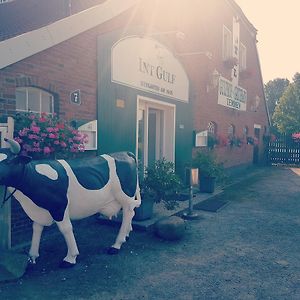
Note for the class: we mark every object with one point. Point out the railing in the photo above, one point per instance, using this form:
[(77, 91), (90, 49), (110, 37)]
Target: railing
[(284, 150)]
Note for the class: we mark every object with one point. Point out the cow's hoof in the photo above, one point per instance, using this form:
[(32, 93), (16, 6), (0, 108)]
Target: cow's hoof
[(112, 251), (66, 265)]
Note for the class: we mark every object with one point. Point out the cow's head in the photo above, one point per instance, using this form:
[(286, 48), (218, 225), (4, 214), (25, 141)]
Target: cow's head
[(10, 160)]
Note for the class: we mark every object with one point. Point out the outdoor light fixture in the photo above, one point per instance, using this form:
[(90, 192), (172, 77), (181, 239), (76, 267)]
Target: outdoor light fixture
[(193, 177), (213, 81), (255, 104), (215, 78)]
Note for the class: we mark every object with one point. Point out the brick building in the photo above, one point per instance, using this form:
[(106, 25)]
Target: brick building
[(160, 77)]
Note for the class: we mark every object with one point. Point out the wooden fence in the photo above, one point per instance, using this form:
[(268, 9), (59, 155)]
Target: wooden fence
[(284, 150)]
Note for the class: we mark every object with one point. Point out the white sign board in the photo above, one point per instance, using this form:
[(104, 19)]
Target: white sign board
[(230, 95), (147, 65)]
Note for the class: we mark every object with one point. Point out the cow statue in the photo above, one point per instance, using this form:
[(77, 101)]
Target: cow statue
[(57, 191)]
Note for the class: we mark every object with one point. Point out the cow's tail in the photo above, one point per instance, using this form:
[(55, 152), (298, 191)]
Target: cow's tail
[(137, 195)]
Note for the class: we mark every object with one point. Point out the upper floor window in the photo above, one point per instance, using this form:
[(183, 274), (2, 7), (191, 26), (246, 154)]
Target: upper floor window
[(34, 100), (243, 56), (227, 43)]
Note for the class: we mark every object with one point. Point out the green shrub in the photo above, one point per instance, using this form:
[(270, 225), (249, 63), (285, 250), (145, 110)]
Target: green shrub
[(161, 183)]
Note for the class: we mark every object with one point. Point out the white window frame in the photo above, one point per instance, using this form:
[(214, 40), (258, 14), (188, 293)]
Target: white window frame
[(168, 139), (40, 92), (227, 44), (243, 57)]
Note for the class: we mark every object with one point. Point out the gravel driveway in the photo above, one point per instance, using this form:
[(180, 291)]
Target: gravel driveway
[(247, 250)]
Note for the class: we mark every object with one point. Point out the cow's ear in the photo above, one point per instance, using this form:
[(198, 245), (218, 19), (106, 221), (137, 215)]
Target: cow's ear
[(22, 159)]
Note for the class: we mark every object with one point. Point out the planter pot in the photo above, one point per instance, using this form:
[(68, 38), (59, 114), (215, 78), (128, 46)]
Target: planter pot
[(145, 211), (207, 184)]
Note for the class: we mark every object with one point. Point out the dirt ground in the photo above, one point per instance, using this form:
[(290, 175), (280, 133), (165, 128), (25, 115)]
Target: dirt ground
[(247, 250)]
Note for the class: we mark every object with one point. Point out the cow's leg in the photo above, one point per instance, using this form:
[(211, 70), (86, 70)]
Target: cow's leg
[(126, 227), (37, 230), (66, 229)]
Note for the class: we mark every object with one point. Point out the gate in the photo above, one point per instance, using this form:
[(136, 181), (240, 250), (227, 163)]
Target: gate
[(6, 130), (284, 150)]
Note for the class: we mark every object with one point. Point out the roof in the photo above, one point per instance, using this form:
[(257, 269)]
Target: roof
[(36, 40), (236, 7), (22, 16), (30, 26)]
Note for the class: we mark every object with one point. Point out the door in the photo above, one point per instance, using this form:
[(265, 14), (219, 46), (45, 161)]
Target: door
[(156, 131), (256, 146)]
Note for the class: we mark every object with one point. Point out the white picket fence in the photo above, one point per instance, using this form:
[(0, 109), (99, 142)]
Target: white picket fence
[(6, 130)]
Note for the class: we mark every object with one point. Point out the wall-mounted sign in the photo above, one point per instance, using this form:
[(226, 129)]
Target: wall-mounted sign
[(230, 95), (147, 65), (75, 97)]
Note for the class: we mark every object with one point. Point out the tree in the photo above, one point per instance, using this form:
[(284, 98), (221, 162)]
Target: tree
[(274, 90), (286, 116)]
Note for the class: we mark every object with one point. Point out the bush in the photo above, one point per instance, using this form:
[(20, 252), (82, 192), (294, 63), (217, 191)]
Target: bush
[(208, 165), (45, 136), (161, 183)]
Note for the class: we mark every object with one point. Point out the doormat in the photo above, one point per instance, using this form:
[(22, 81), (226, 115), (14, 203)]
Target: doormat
[(212, 205)]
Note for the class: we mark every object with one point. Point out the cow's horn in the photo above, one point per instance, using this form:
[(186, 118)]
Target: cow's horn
[(15, 147)]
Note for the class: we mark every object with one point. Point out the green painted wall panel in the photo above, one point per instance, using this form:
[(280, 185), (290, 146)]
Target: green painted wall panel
[(117, 126)]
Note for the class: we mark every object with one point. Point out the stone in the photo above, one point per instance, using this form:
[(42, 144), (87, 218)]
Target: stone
[(171, 228), (12, 265)]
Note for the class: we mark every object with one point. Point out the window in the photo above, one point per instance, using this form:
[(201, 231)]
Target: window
[(212, 128), (243, 56), (231, 130), (246, 130), (227, 43), (34, 100)]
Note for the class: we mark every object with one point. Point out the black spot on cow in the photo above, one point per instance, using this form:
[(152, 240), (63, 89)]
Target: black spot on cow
[(45, 192), (92, 173), (126, 171)]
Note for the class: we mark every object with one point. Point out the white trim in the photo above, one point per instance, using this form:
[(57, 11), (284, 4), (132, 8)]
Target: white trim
[(22, 46), (257, 126), (156, 104), (226, 53)]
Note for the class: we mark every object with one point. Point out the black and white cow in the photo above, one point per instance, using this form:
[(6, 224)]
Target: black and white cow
[(60, 190)]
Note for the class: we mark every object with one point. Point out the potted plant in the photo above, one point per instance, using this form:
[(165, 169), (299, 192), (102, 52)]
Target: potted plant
[(209, 170), (160, 183)]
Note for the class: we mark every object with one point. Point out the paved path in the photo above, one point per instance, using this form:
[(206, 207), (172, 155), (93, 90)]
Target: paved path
[(250, 249)]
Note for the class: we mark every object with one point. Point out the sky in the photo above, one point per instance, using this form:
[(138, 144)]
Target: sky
[(278, 25)]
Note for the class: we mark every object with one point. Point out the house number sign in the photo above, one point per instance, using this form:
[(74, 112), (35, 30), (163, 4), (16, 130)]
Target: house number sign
[(75, 97)]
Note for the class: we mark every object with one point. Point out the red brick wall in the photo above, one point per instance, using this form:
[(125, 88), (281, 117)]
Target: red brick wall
[(72, 65)]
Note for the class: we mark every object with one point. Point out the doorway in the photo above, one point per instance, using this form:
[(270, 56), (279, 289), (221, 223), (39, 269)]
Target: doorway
[(155, 131), (256, 145)]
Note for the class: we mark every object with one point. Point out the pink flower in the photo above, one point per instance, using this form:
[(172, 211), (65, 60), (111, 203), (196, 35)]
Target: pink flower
[(42, 120), (47, 150), (49, 129), (19, 140), (296, 135), (35, 129), (63, 144), (33, 137), (56, 142), (52, 136)]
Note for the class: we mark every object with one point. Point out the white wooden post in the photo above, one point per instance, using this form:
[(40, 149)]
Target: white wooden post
[(6, 130)]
